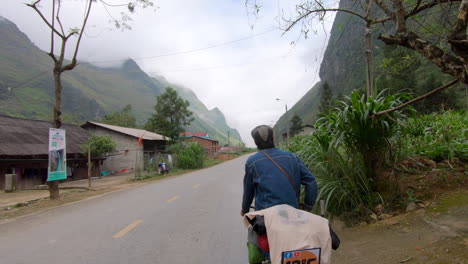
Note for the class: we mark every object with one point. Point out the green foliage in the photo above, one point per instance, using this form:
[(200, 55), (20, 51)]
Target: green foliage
[(326, 98), (359, 133), (151, 163), (436, 136), (100, 145), (171, 114), (123, 118), (341, 177), (296, 125), (347, 149), (189, 155)]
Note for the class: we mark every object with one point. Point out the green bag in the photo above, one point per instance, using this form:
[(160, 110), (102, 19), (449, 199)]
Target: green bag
[(255, 254)]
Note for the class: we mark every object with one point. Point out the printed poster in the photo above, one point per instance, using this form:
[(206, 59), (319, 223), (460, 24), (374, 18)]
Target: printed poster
[(57, 169)]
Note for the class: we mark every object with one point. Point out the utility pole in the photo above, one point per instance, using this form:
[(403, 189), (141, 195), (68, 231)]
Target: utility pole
[(229, 139), (89, 166), (287, 119)]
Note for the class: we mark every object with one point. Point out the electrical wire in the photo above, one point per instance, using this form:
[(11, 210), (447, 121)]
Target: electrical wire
[(187, 51), (32, 78)]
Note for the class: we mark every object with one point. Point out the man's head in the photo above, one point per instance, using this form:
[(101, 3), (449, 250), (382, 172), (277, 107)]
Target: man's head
[(263, 137)]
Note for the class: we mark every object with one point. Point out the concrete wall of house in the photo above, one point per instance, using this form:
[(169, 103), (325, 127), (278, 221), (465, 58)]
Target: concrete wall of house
[(127, 150), (307, 130), (208, 145)]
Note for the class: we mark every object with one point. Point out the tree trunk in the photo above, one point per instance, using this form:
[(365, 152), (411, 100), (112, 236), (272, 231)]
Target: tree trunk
[(53, 185), (58, 98), (369, 61), (89, 166), (400, 16)]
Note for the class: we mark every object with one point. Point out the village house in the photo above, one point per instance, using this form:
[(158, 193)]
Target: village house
[(133, 146), (24, 147), (307, 130), (210, 145)]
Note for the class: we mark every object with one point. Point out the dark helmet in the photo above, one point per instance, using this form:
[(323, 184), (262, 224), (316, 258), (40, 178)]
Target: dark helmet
[(263, 137)]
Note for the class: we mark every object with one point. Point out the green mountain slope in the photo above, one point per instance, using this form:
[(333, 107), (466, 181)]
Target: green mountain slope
[(343, 67), (89, 92), (211, 121)]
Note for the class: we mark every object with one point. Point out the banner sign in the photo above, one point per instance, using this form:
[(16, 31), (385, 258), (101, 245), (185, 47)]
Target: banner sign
[(57, 169)]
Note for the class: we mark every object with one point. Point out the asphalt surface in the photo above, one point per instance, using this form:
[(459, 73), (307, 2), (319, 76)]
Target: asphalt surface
[(192, 218)]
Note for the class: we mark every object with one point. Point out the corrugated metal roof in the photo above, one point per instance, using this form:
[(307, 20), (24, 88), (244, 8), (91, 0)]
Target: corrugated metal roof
[(24, 137), (134, 132), (199, 134), (207, 138)]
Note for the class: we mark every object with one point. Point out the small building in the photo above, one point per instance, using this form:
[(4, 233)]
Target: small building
[(24, 149), (228, 149), (129, 154), (307, 130), (210, 145)]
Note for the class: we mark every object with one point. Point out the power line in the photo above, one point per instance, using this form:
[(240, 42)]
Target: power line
[(187, 51), (32, 78)]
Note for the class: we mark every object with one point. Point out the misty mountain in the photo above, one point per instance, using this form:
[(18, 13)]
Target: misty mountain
[(343, 66), (89, 92)]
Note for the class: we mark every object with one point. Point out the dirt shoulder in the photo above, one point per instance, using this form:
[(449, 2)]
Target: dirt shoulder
[(433, 235)]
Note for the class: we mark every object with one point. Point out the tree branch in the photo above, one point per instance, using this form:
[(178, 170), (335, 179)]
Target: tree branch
[(425, 6), (58, 18), (385, 8), (400, 16), (293, 23), (73, 62), (369, 8), (33, 5), (417, 99), (445, 61), (458, 37), (416, 6), (52, 32)]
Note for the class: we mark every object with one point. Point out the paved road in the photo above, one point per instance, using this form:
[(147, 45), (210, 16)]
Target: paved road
[(192, 218)]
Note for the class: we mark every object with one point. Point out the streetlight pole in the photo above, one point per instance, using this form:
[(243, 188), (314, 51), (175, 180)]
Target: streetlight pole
[(287, 119)]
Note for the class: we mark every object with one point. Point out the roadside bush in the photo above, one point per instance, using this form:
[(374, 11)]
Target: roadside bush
[(188, 155)]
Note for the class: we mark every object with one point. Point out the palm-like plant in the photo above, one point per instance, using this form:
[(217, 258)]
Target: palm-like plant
[(347, 149)]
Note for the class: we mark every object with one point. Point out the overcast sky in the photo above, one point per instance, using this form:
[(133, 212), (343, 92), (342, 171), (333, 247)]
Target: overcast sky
[(242, 78)]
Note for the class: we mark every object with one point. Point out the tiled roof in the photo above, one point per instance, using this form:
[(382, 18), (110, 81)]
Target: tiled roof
[(134, 132), (24, 137)]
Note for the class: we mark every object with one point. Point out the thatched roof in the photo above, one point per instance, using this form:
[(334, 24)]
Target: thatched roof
[(26, 137)]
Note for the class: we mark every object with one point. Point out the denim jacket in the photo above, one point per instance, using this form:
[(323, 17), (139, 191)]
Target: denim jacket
[(265, 182)]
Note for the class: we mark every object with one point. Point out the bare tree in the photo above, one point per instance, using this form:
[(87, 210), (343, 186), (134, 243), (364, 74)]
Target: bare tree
[(58, 34)]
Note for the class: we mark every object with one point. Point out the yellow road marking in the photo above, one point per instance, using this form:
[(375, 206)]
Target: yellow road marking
[(127, 229), (173, 199), (195, 186)]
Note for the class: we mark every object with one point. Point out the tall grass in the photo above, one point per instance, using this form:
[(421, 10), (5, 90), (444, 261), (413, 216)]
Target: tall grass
[(436, 136), (347, 150)]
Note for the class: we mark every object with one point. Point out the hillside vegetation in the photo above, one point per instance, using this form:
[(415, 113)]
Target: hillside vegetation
[(90, 92), (396, 68)]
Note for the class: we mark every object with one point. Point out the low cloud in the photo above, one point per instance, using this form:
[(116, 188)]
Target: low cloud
[(242, 78)]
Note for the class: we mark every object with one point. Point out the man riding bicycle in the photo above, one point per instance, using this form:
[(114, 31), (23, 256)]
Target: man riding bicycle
[(274, 176)]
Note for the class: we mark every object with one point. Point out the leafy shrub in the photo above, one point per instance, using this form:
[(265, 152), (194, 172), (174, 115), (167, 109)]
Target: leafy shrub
[(189, 155), (100, 145)]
